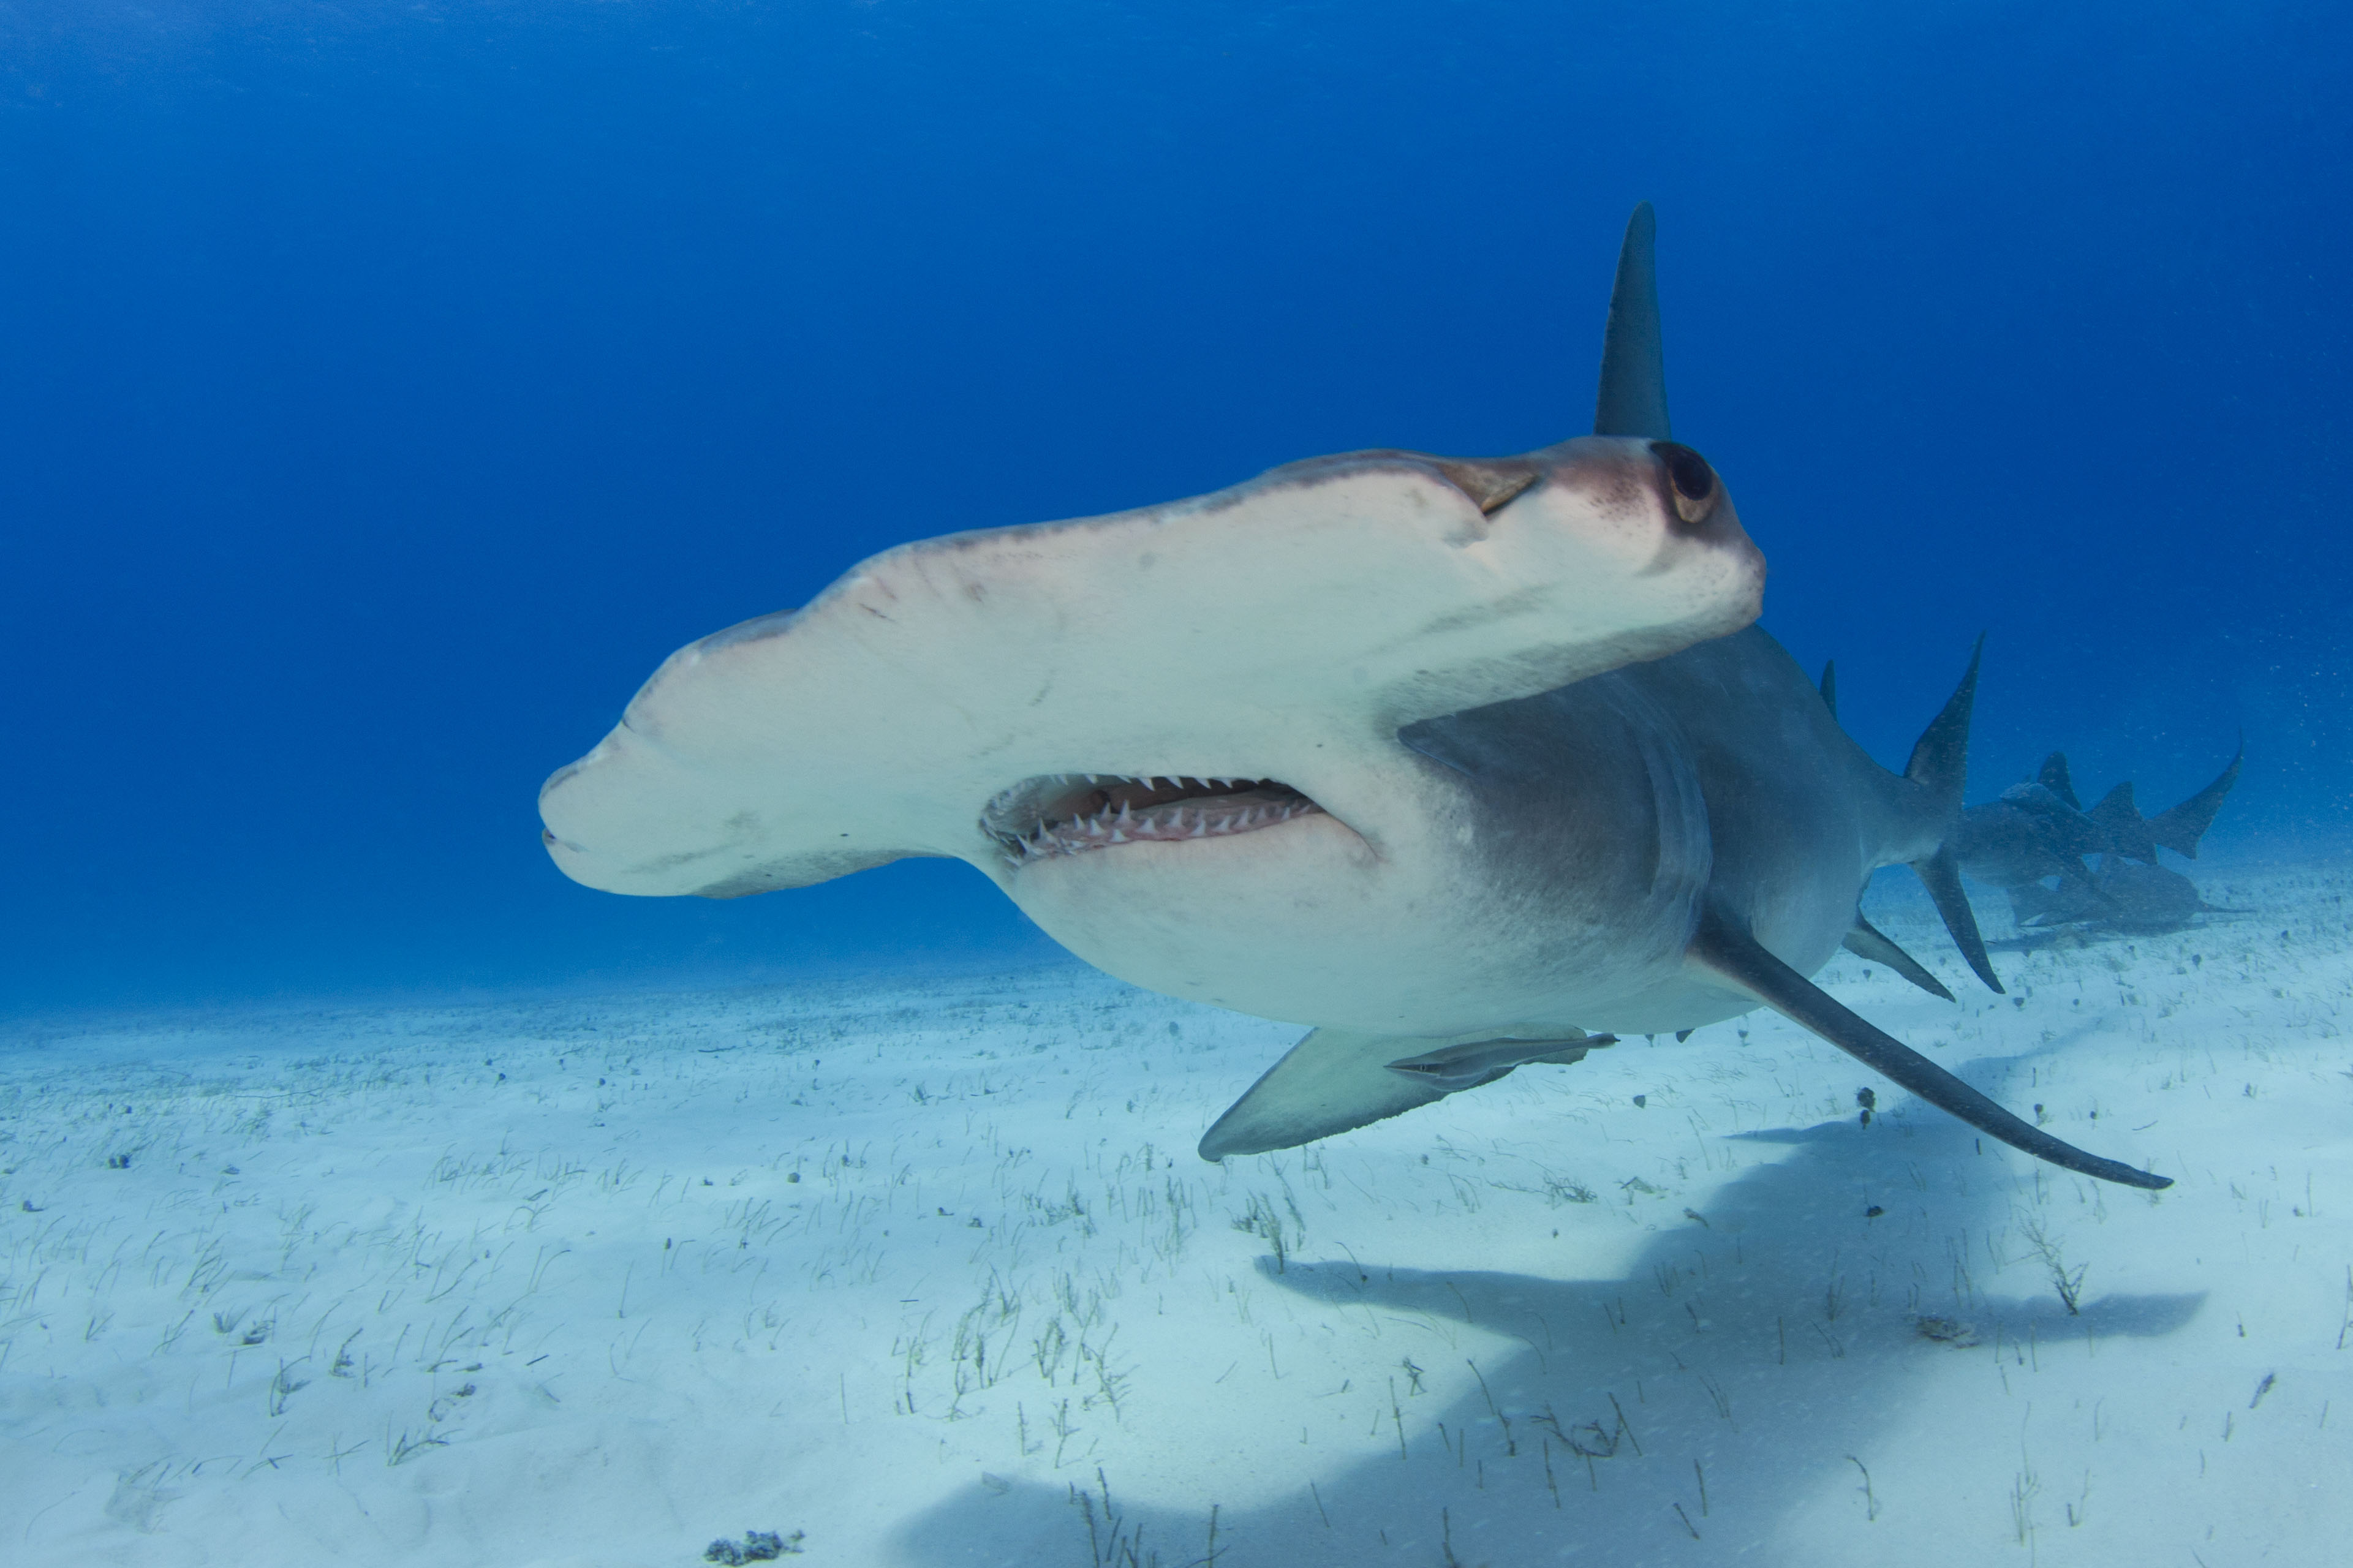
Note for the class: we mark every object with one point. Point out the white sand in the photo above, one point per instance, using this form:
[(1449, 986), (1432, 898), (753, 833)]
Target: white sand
[(909, 1269)]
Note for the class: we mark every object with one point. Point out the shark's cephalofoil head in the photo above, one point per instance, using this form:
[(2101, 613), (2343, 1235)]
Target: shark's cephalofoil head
[(1186, 686), (1640, 518), (1302, 862)]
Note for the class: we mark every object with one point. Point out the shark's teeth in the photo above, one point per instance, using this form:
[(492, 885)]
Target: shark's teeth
[(1068, 814)]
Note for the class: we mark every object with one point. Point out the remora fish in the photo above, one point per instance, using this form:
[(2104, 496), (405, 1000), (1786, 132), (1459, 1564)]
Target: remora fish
[(1455, 760)]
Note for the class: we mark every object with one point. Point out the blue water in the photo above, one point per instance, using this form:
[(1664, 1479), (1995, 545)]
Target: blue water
[(388, 387)]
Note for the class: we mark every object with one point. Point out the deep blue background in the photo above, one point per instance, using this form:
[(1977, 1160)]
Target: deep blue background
[(389, 388)]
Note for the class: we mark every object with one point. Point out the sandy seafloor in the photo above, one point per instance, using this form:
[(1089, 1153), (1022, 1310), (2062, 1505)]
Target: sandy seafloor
[(912, 1268)]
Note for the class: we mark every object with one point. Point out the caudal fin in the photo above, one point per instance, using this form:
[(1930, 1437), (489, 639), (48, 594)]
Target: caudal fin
[(1941, 758), (1940, 764), (2181, 828)]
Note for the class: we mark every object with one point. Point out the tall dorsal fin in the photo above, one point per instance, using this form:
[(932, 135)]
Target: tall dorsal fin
[(1633, 400), (1830, 686)]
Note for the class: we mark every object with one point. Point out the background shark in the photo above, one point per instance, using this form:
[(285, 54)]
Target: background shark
[(1456, 760), (2039, 832)]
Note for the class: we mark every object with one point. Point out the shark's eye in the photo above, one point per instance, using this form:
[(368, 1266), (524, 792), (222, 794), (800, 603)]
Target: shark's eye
[(1691, 480)]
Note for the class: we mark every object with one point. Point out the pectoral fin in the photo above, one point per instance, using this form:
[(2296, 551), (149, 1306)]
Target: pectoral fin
[(1867, 940), (1338, 1079), (1724, 948)]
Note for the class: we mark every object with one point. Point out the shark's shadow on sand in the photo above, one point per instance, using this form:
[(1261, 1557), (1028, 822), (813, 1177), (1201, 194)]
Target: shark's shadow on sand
[(1754, 1353)]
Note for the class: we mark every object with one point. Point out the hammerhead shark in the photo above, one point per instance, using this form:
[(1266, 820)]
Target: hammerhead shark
[(1463, 763)]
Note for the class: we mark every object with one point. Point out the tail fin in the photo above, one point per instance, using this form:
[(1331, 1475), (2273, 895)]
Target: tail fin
[(1940, 764), (2053, 777), (2181, 828), (2120, 819), (1941, 758)]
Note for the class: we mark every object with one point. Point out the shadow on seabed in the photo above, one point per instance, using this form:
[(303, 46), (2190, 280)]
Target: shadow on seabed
[(1683, 1406)]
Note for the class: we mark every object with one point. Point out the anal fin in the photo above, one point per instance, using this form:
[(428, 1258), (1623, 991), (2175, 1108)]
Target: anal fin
[(1724, 948), (1867, 940), (1335, 1080)]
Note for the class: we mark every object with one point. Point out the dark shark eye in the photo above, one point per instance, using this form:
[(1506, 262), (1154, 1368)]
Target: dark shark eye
[(1693, 483)]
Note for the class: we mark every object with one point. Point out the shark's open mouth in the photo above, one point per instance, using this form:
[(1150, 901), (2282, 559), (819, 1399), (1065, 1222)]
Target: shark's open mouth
[(1068, 813)]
